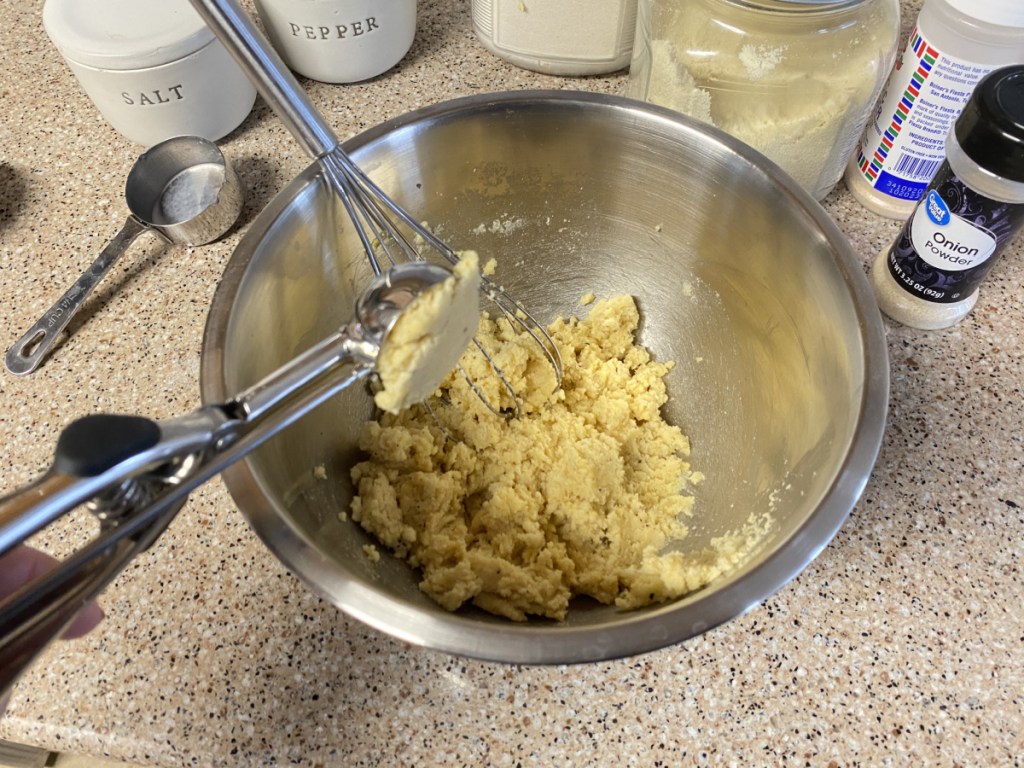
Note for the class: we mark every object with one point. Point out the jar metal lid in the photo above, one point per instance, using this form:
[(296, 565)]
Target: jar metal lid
[(125, 34)]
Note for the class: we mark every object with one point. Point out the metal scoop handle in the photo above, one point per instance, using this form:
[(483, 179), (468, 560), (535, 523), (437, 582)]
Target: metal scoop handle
[(27, 352), (137, 473)]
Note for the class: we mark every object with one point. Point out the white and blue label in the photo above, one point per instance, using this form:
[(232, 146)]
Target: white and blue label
[(904, 142)]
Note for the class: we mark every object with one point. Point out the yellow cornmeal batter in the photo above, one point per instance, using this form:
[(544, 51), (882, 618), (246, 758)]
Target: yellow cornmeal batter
[(578, 495), (429, 337)]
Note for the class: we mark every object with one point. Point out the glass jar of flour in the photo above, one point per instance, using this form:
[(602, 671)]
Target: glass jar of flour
[(794, 79)]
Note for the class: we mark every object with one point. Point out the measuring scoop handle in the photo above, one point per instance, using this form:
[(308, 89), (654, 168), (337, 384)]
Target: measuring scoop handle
[(28, 351)]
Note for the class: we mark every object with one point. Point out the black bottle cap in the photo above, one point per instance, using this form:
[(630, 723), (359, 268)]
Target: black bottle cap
[(990, 130)]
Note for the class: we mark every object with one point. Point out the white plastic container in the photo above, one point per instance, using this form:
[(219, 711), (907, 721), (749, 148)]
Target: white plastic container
[(558, 37), (339, 41), (152, 67), (954, 44)]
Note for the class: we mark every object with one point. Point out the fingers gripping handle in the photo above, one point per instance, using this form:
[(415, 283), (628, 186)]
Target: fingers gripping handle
[(97, 455), (38, 612)]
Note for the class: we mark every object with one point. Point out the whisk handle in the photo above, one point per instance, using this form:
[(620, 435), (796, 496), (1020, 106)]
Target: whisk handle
[(271, 76)]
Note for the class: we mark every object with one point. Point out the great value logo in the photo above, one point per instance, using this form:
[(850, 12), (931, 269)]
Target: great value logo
[(937, 209)]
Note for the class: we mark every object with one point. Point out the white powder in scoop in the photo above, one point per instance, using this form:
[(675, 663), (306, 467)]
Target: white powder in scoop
[(190, 193)]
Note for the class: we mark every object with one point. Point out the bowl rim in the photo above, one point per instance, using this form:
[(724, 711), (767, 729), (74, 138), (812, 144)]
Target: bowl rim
[(542, 642)]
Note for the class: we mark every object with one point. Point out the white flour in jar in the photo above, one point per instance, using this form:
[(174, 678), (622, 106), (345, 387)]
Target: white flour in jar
[(802, 104), (759, 60), (804, 127)]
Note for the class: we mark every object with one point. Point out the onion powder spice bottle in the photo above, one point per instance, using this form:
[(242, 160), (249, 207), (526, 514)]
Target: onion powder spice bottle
[(972, 208)]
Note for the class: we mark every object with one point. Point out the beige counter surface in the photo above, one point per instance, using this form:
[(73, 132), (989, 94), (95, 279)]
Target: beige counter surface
[(901, 644)]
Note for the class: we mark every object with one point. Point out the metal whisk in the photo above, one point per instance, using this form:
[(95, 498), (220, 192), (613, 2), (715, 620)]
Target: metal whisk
[(381, 224)]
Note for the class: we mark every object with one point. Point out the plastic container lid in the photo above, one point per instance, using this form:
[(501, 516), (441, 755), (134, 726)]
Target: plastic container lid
[(125, 34), (990, 130), (1002, 13)]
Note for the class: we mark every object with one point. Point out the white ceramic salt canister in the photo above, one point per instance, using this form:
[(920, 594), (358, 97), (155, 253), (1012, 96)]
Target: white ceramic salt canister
[(152, 67), (339, 41)]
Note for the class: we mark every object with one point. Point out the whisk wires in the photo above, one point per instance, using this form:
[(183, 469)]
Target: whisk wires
[(375, 217)]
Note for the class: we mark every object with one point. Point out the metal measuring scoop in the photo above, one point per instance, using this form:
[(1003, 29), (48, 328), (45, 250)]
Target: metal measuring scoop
[(181, 189), (135, 473)]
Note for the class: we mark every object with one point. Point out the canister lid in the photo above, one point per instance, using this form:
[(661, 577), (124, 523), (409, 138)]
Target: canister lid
[(1002, 13), (125, 34), (990, 130)]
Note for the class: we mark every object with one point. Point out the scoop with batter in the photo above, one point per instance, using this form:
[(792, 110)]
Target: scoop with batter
[(428, 338)]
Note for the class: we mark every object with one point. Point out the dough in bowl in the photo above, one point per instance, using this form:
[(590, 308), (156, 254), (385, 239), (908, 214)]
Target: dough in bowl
[(585, 493)]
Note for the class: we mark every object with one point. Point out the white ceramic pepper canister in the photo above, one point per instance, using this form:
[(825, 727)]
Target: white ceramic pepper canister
[(558, 37), (339, 41), (152, 67)]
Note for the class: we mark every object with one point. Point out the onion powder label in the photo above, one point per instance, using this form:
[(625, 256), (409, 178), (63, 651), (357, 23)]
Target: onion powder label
[(948, 245)]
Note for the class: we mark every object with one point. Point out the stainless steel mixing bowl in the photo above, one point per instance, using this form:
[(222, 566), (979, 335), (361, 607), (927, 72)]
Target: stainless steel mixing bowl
[(781, 379)]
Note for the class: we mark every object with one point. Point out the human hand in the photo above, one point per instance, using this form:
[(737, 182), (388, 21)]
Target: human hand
[(24, 564)]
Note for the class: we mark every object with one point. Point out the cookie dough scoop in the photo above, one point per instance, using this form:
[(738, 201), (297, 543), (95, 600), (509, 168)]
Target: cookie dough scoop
[(411, 325)]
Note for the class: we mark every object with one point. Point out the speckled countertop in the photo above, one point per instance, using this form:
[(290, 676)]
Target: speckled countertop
[(902, 644)]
